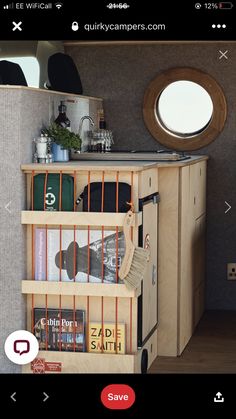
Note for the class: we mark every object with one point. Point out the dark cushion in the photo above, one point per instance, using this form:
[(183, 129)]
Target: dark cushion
[(11, 73), (63, 74)]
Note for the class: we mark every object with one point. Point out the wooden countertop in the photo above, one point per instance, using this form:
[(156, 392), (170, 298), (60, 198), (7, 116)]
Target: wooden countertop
[(121, 166)]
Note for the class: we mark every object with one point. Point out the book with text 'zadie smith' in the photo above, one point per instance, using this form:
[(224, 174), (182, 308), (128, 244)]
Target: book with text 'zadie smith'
[(106, 338)]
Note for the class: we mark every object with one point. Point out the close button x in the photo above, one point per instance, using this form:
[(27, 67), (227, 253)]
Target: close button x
[(17, 26), (223, 54)]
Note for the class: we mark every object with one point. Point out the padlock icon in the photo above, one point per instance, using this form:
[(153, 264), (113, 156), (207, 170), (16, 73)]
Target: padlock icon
[(75, 26)]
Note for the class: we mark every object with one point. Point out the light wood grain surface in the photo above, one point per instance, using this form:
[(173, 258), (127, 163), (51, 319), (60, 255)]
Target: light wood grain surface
[(76, 288), (112, 165), (49, 92), (69, 218)]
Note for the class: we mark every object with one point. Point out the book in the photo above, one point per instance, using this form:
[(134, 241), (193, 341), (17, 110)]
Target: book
[(113, 340), (68, 257), (60, 329), (40, 259)]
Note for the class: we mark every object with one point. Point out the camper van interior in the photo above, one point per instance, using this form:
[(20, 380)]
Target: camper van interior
[(185, 157), (118, 212)]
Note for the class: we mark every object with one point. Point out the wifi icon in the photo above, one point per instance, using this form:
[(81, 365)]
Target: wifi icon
[(58, 5)]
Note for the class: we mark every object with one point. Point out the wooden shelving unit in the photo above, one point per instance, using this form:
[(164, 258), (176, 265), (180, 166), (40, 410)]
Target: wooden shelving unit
[(137, 309)]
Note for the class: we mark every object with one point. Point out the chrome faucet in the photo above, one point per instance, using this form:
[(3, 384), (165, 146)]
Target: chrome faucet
[(82, 120), (84, 147)]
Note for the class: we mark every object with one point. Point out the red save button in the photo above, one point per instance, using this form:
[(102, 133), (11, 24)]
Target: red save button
[(118, 396)]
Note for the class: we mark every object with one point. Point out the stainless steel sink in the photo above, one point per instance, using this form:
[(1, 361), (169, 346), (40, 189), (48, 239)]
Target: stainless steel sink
[(160, 155)]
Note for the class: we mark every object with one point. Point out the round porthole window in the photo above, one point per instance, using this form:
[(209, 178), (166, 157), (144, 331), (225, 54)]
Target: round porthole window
[(184, 108)]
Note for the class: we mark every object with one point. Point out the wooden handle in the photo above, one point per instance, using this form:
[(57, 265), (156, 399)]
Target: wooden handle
[(129, 246), (127, 227)]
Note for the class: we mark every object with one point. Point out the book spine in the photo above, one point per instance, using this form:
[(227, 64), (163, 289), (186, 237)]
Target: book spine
[(40, 262), (53, 247)]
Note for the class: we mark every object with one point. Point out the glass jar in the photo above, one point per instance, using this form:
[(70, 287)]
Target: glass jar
[(41, 144)]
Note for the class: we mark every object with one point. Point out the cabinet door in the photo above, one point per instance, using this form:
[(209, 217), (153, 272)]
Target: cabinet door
[(198, 188), (148, 182), (149, 295), (192, 262)]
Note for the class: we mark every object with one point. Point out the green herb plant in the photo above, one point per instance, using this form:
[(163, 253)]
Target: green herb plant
[(63, 137)]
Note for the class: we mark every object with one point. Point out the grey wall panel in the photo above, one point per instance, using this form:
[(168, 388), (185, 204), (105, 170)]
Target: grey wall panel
[(120, 74), (23, 112), (11, 258)]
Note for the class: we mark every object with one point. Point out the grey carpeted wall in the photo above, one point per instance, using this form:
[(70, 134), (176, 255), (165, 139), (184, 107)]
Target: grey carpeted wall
[(23, 112), (120, 74)]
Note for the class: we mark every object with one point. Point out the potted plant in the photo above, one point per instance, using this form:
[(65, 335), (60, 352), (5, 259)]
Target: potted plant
[(63, 141)]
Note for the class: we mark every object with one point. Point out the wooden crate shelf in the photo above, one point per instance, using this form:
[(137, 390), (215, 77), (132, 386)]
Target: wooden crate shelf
[(80, 289), (106, 219), (114, 303)]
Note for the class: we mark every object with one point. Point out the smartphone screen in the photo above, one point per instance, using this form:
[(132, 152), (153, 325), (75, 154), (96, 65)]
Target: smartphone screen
[(118, 265)]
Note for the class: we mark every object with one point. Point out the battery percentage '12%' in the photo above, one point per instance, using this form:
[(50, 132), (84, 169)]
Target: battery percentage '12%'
[(224, 5)]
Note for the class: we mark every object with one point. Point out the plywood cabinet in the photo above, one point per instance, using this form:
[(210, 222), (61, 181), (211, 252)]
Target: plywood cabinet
[(162, 314), (182, 222)]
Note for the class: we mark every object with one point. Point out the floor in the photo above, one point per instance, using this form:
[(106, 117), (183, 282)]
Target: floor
[(212, 348)]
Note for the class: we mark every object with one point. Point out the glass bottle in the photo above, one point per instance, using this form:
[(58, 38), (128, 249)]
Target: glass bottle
[(102, 122), (62, 118)]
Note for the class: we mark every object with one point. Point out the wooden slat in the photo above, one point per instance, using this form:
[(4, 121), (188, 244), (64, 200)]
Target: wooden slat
[(76, 288), (49, 92), (108, 166), (90, 166), (83, 362), (107, 219)]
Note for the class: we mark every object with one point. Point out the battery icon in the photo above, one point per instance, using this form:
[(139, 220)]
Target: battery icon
[(226, 5)]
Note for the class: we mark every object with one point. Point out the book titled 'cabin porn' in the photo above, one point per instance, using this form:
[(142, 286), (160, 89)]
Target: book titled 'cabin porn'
[(60, 330)]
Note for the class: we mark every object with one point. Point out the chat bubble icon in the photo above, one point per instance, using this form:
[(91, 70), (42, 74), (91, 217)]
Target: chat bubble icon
[(21, 347)]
